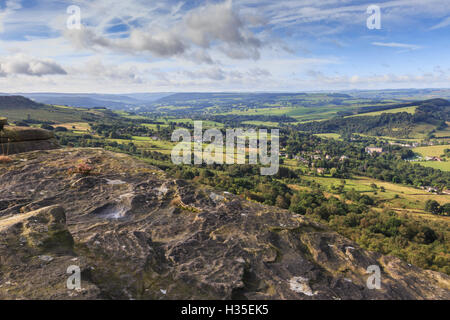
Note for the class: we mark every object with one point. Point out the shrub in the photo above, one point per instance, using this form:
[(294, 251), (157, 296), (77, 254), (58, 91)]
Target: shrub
[(82, 168), (61, 129)]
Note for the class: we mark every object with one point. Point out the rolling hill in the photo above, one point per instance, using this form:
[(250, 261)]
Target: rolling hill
[(19, 109)]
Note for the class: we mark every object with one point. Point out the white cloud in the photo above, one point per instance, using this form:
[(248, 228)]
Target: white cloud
[(21, 64), (10, 7), (397, 45), (444, 23), (205, 45), (202, 27)]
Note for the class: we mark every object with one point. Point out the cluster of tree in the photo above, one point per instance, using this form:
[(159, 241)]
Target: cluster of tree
[(432, 206), (378, 231), (244, 180), (413, 240), (389, 166)]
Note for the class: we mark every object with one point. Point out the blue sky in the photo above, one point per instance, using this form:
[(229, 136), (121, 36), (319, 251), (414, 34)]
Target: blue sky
[(239, 45)]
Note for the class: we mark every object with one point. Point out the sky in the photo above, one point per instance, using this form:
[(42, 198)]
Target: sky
[(116, 46)]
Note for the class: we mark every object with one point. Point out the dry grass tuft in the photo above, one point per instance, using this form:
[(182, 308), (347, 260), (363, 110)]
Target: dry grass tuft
[(5, 159), (82, 168)]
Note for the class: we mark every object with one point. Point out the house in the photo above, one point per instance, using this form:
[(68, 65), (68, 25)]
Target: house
[(343, 158), (371, 150), (432, 190), (400, 144)]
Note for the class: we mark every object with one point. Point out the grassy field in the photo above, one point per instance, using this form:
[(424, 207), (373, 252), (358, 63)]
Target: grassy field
[(77, 126), (336, 136), (408, 197), (444, 166), (431, 151), (262, 123), (434, 151), (410, 110)]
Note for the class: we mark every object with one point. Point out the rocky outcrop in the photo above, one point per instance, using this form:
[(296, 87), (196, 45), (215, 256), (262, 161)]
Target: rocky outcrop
[(24, 139), (34, 249), (138, 234)]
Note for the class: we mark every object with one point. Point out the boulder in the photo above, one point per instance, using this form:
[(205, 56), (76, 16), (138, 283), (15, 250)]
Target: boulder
[(36, 252), (19, 134), (41, 231), (15, 140)]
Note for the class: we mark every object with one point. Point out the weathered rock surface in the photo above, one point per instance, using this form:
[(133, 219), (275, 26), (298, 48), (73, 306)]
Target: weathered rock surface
[(15, 140), (139, 234), (34, 249)]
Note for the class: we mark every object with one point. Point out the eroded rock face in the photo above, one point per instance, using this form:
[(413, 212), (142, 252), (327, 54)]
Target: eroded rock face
[(139, 234), (15, 140), (35, 247)]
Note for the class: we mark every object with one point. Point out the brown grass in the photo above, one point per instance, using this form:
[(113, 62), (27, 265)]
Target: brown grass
[(5, 159), (82, 168)]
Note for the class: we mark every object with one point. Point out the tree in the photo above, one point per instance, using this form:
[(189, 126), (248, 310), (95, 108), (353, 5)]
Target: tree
[(432, 206), (445, 209)]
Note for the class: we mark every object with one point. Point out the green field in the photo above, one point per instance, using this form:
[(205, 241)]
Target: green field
[(408, 197), (431, 151), (262, 123), (336, 136), (444, 166), (410, 110)]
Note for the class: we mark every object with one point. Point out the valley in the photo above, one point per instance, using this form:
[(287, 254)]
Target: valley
[(326, 175)]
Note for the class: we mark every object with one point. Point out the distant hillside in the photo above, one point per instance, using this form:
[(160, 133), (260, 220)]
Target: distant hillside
[(18, 102), (110, 101), (434, 112), (19, 109), (224, 98)]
